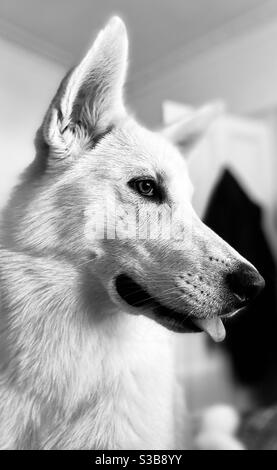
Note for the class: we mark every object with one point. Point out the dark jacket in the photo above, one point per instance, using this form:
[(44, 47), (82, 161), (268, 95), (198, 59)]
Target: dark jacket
[(252, 336)]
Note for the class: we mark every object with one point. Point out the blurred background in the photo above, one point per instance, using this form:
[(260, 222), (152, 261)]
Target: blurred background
[(183, 53)]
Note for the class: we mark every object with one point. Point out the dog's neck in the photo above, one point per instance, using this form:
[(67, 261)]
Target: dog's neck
[(77, 360)]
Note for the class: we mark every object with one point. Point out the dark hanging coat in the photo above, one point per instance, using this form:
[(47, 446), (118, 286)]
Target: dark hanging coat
[(252, 336)]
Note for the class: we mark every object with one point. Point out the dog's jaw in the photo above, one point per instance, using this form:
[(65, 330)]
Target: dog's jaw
[(142, 302)]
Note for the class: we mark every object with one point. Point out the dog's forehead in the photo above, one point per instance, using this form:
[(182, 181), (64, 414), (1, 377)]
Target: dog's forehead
[(151, 151), (150, 148)]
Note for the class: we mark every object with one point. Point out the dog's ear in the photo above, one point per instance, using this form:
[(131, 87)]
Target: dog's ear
[(89, 100), (187, 131)]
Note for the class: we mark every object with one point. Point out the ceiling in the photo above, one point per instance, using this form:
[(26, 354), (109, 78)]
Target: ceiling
[(62, 29)]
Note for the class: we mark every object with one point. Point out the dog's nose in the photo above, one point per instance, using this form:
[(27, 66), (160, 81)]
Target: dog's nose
[(245, 283)]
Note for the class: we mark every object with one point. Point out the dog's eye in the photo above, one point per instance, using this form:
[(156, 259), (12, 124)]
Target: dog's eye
[(145, 187)]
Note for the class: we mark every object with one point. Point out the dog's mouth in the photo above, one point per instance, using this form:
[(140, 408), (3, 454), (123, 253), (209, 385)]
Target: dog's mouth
[(137, 297)]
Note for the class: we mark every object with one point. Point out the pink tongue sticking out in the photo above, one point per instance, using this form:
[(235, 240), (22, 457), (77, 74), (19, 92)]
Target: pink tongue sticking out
[(213, 327)]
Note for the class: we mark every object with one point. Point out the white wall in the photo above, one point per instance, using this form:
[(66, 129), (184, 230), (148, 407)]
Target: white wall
[(27, 83), (242, 70)]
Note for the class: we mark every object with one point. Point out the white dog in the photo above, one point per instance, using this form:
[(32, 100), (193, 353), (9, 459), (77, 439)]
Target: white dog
[(87, 360)]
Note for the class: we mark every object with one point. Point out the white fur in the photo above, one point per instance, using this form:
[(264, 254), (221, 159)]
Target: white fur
[(80, 368)]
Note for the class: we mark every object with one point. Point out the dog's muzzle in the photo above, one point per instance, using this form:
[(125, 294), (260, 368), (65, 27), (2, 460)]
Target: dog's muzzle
[(242, 284)]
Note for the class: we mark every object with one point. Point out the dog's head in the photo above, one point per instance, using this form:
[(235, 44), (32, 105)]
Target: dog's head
[(115, 197)]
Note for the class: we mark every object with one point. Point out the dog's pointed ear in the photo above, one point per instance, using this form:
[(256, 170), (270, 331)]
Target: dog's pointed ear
[(89, 100), (186, 132)]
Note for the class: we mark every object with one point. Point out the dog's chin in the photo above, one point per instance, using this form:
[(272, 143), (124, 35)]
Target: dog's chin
[(142, 302)]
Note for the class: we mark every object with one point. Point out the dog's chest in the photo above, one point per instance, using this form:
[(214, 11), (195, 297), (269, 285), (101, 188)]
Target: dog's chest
[(132, 406), (143, 403)]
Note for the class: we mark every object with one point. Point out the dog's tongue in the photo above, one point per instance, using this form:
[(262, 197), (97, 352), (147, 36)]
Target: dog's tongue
[(213, 327)]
